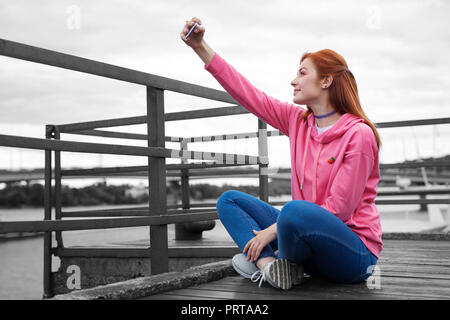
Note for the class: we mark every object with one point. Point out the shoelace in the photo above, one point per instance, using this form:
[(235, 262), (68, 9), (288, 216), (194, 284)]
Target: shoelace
[(259, 276)]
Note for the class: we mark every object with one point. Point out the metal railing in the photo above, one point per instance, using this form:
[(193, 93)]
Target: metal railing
[(157, 214)]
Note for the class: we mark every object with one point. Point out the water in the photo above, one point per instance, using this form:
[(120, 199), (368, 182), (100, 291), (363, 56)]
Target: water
[(21, 260)]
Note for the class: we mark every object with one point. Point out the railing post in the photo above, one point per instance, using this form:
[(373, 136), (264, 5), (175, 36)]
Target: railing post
[(48, 287), (263, 168), (58, 234), (157, 180), (189, 230), (180, 232)]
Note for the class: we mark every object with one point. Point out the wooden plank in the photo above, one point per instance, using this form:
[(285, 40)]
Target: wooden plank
[(316, 289), (417, 275), (420, 261), (169, 296), (432, 244), (319, 292), (412, 268), (207, 294), (327, 290)]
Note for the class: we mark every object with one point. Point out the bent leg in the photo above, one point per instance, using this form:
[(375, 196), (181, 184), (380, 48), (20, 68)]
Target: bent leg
[(313, 236), (242, 213)]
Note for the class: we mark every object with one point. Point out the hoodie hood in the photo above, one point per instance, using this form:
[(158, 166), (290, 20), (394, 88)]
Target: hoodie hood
[(345, 122)]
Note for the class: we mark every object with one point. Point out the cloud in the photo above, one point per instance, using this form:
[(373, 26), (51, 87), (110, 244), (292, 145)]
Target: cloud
[(398, 52)]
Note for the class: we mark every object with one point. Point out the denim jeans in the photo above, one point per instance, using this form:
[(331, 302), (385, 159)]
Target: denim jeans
[(307, 234)]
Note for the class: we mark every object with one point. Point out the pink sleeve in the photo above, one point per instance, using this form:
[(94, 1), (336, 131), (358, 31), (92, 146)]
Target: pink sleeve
[(351, 179), (270, 110)]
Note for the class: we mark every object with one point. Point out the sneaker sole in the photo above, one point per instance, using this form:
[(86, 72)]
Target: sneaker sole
[(280, 274)]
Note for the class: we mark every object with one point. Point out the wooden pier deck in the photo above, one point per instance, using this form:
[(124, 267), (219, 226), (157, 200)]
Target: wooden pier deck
[(408, 269)]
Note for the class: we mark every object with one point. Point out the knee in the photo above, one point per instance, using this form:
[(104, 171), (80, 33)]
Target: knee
[(295, 214), (225, 197)]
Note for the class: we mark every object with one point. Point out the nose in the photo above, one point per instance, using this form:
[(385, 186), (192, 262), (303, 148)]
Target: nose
[(293, 82)]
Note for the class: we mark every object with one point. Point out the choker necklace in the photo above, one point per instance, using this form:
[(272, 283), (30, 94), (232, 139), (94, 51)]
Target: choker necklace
[(325, 115)]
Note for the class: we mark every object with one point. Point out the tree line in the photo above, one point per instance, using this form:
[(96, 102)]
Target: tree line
[(15, 195)]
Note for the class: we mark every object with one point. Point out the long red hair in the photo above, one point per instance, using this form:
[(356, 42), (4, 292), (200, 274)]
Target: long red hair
[(343, 91)]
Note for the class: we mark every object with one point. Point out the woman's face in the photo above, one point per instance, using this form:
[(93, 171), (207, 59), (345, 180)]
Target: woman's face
[(307, 86)]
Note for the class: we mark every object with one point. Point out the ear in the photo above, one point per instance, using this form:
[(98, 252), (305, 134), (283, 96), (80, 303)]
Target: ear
[(326, 82)]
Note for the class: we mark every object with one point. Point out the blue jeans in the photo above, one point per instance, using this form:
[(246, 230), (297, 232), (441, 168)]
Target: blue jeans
[(307, 234)]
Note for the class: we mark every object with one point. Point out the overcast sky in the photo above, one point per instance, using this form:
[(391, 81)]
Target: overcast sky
[(397, 50)]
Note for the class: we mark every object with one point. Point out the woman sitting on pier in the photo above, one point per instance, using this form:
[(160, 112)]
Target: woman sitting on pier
[(331, 229)]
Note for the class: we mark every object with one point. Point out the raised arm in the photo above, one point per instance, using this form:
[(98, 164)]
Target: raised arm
[(272, 111)]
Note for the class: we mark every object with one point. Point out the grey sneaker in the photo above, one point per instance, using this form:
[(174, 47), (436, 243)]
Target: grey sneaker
[(243, 267), (280, 273)]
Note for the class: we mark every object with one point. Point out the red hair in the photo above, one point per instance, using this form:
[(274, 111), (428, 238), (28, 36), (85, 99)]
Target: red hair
[(343, 91)]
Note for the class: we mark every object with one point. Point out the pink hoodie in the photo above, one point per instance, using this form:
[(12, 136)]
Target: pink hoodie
[(347, 186)]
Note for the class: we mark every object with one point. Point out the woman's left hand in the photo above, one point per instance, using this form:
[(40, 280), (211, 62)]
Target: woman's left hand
[(256, 245)]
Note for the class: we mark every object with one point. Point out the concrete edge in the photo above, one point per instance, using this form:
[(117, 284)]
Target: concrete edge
[(147, 286)]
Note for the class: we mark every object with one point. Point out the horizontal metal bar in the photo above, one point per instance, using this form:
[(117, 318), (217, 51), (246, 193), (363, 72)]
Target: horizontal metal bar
[(414, 192), (389, 201), (133, 252), (425, 163), (137, 136), (61, 60), (104, 171), (203, 205), (88, 224), (412, 201), (123, 212), (410, 123), (74, 128), (231, 136), (100, 148), (113, 134), (206, 113), (110, 223), (79, 127), (84, 147), (217, 157), (129, 169), (222, 172)]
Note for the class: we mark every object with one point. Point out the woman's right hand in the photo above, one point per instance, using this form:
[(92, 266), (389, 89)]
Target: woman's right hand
[(196, 37)]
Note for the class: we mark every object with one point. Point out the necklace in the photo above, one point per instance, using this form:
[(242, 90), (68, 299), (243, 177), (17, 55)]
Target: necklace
[(325, 115)]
